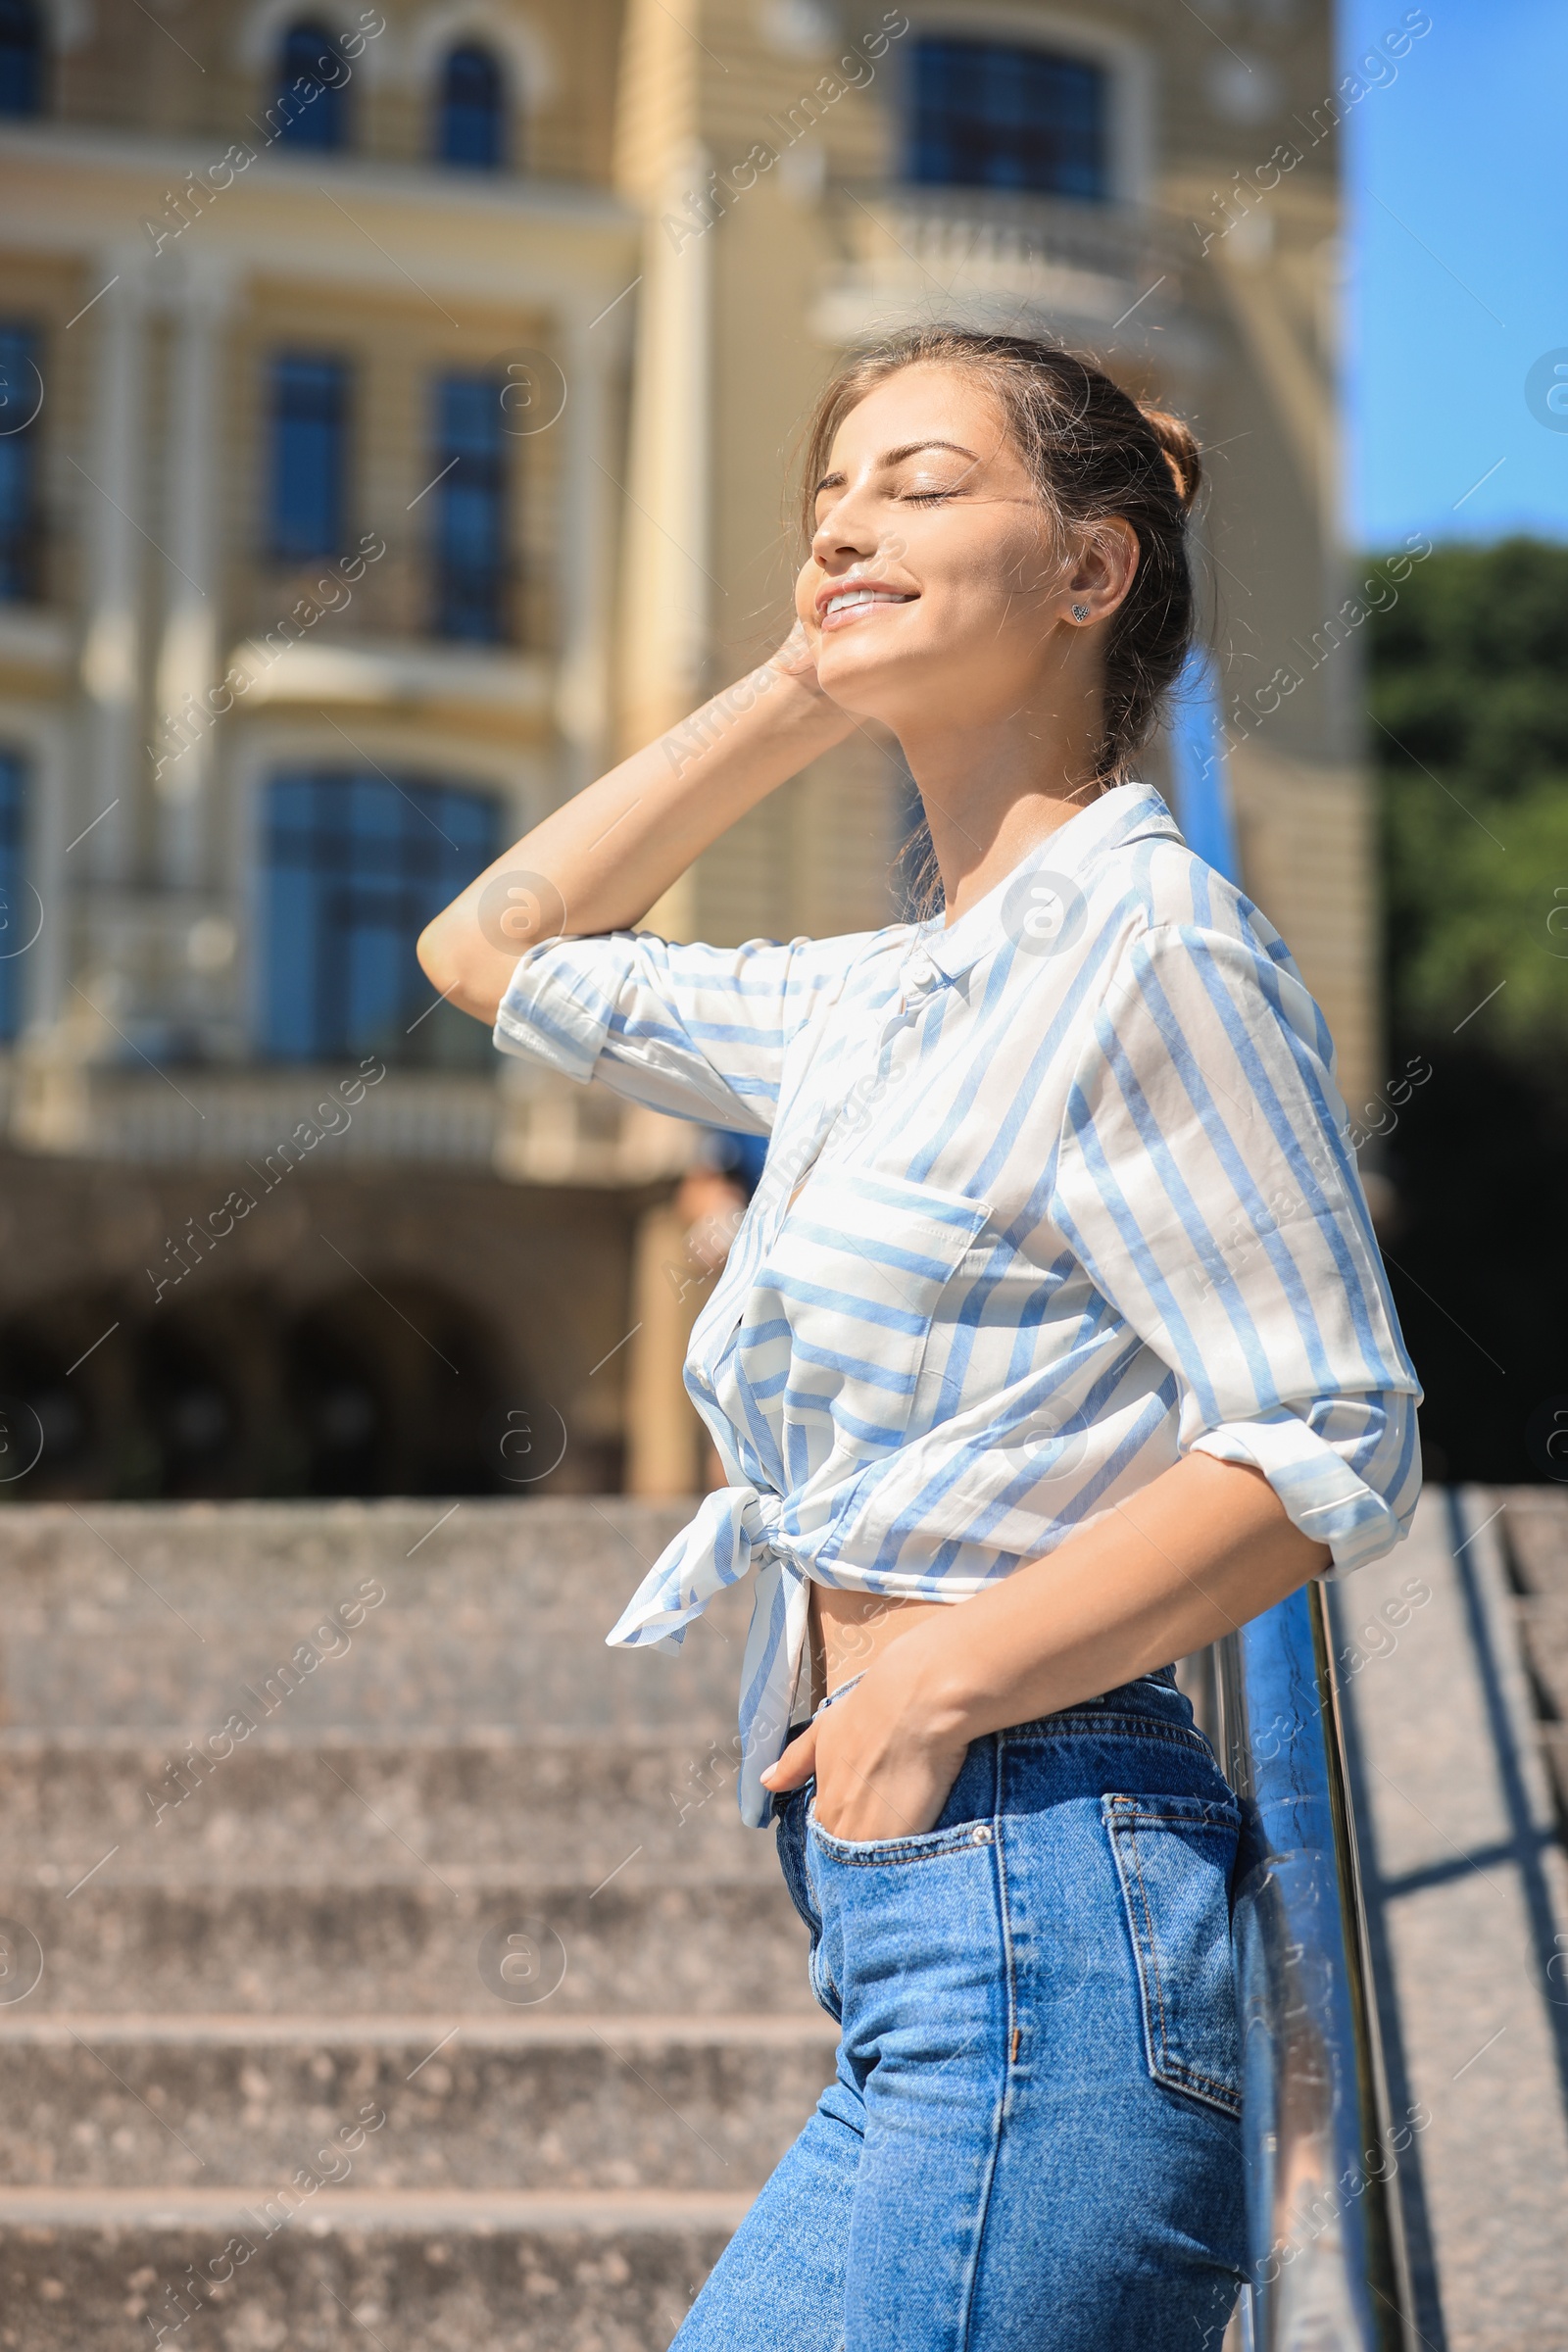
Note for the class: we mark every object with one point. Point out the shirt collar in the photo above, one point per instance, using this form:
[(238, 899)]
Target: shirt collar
[(1126, 813)]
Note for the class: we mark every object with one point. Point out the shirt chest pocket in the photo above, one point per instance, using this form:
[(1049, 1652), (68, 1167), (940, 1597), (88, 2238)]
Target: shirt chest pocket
[(836, 1325)]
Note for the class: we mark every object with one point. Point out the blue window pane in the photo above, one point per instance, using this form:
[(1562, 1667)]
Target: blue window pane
[(995, 114), (470, 510), (311, 105), (472, 125), (20, 58), (20, 400), (356, 865), (15, 904), (310, 404)]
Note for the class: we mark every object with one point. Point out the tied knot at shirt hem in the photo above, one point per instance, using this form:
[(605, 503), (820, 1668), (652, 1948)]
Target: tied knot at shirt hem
[(736, 1529)]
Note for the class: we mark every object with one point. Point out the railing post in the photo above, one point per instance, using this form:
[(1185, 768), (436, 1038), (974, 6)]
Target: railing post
[(1326, 2268)]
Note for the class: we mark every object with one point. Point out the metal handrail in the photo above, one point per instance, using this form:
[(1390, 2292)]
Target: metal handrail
[(1327, 2269)]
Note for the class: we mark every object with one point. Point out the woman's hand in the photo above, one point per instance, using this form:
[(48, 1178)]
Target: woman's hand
[(1114, 1600), (885, 1755), (797, 655), (807, 629)]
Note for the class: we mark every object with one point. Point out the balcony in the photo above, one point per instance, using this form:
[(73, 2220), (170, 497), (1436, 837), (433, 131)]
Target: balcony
[(308, 633), (1115, 280), (398, 594), (527, 1126)]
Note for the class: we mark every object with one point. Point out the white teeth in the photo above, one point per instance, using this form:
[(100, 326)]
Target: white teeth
[(851, 597)]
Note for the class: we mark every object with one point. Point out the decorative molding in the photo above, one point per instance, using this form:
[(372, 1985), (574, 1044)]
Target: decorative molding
[(261, 27), (528, 57)]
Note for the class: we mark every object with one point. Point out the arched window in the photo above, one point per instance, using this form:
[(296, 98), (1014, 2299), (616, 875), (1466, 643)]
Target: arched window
[(20, 58), (1003, 114), (472, 125), (355, 867), (312, 105)]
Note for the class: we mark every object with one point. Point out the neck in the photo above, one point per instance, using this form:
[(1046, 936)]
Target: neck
[(994, 791)]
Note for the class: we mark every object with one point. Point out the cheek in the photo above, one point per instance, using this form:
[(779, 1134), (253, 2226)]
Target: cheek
[(985, 599)]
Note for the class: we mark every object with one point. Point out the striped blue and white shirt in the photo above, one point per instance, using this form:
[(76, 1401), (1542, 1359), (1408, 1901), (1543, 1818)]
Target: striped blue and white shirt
[(1054, 1193)]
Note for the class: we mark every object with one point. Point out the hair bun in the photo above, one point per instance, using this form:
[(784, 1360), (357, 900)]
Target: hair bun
[(1181, 454)]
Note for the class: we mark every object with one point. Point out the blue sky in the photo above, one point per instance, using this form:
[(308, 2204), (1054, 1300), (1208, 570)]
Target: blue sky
[(1456, 188)]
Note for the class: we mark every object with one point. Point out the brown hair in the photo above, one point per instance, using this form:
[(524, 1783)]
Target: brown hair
[(1093, 453)]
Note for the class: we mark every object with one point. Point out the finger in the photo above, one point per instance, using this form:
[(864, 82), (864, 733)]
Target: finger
[(796, 1765), (796, 657)]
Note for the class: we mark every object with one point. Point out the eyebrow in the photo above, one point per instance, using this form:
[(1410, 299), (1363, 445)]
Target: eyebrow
[(907, 448)]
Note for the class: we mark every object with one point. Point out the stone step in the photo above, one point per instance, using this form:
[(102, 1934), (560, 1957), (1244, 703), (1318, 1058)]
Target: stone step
[(374, 1614), (526, 2102), (469, 1870), (1543, 1627), (490, 1613), (563, 1807), (1535, 1529), (409, 2271), (327, 1946), (1555, 1739)]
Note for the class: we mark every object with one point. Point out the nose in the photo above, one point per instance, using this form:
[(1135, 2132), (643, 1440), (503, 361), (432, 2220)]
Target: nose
[(845, 534)]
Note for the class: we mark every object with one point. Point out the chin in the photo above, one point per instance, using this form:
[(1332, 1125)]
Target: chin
[(877, 684), (843, 660)]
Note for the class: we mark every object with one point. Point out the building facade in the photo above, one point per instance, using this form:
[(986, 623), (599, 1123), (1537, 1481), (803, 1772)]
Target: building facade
[(396, 405)]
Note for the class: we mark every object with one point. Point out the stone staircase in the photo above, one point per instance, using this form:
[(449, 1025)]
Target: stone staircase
[(1534, 1545), (447, 2006)]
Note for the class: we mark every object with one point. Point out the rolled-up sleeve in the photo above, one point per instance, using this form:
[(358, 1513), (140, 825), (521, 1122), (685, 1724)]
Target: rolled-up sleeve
[(1204, 1180), (696, 1030)]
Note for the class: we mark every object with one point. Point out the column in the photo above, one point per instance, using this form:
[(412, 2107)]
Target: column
[(668, 566), (591, 468), (189, 645), (112, 553)]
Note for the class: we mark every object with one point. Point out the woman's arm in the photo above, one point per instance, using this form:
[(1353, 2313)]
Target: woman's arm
[(1195, 1554), (599, 863)]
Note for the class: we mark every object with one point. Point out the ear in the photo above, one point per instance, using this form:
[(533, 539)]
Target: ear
[(1104, 568)]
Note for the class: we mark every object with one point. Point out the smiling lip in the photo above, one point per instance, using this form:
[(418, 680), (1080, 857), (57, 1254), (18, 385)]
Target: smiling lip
[(841, 602)]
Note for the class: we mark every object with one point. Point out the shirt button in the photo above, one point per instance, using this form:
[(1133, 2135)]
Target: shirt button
[(921, 971), (980, 1834)]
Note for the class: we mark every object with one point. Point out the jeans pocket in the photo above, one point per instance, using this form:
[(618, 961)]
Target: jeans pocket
[(877, 1853), (789, 1812), (789, 1837), (1174, 1856)]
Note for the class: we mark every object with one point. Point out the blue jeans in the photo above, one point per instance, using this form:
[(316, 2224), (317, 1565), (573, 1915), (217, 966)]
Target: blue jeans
[(1031, 2142)]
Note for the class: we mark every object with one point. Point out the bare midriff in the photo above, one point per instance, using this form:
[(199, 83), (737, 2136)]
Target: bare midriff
[(849, 1629)]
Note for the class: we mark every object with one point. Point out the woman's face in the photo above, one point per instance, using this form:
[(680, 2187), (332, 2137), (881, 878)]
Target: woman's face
[(934, 591)]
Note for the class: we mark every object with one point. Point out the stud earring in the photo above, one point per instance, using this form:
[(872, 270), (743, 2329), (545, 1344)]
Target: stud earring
[(1080, 611)]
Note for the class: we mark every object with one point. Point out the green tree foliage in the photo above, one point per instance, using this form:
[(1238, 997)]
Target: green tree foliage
[(1469, 708)]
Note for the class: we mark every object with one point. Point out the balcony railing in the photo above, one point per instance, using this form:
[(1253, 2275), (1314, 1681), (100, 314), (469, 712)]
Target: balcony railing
[(986, 257), (1327, 2269), (531, 1127), (402, 595)]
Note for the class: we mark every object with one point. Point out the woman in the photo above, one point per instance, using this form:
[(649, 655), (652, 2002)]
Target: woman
[(1057, 1301)]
